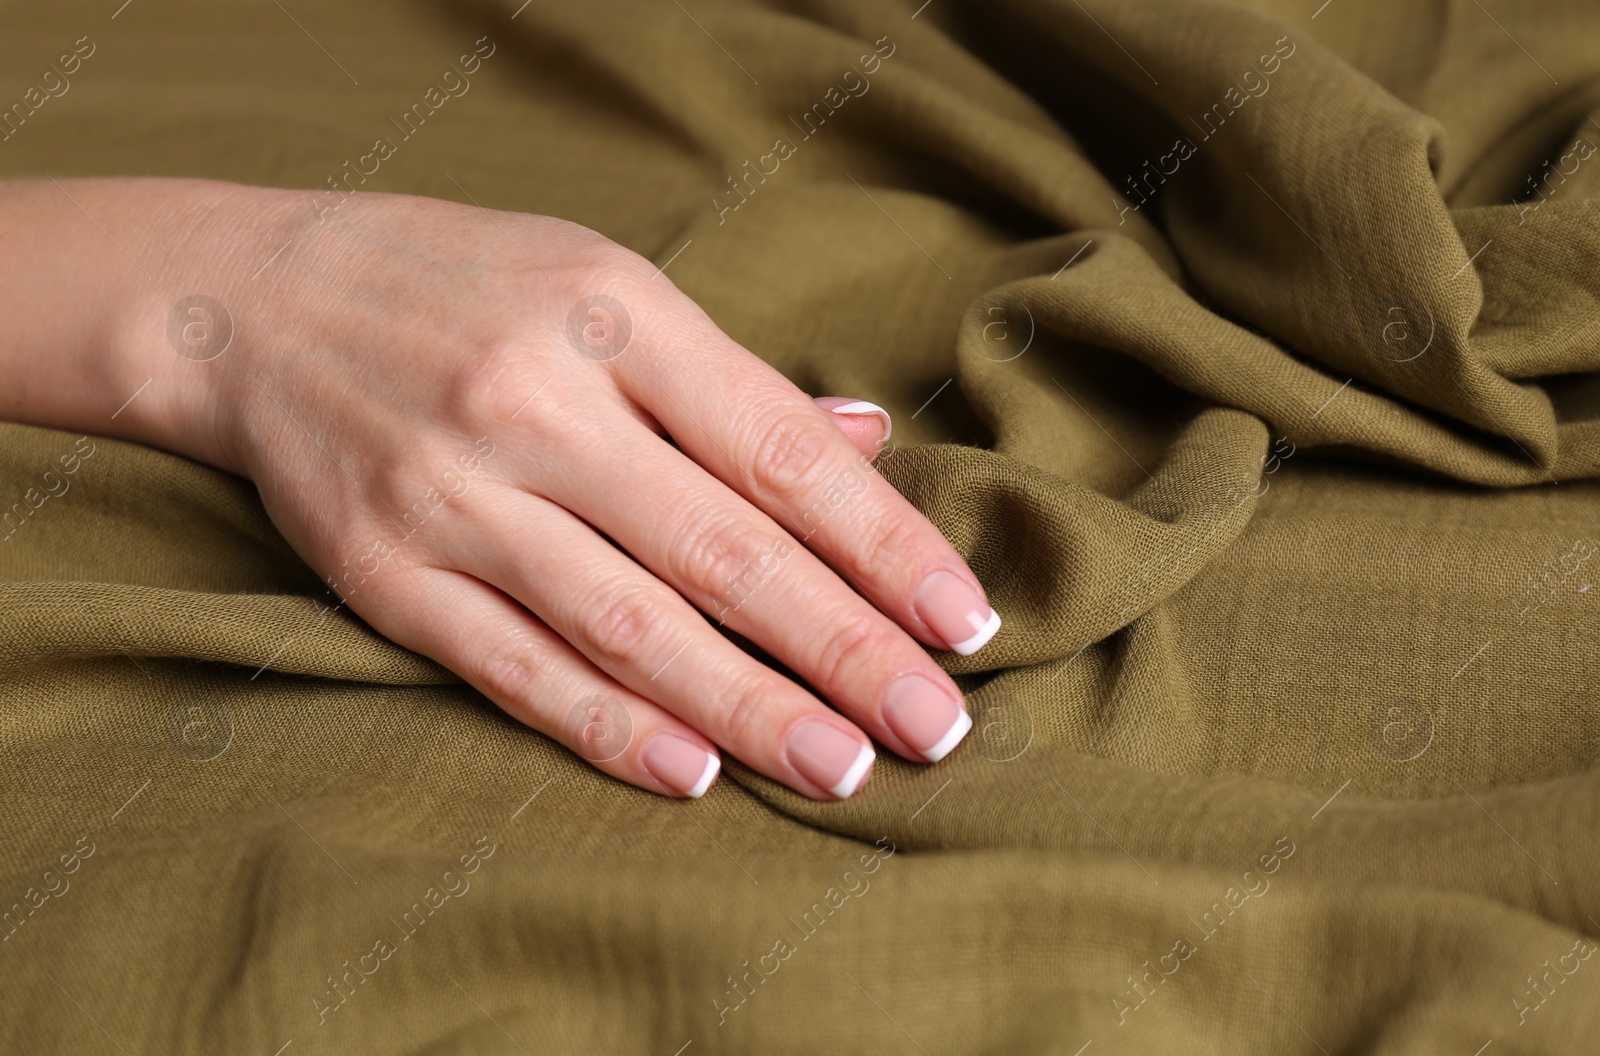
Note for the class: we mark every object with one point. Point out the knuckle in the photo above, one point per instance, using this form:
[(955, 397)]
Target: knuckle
[(621, 265), (858, 642), (718, 557), (509, 388), (790, 455), (610, 299), (608, 268), (617, 621), (824, 504), (554, 230), (741, 710), (509, 670), (608, 274), (892, 540), (491, 385), (365, 559), (600, 727)]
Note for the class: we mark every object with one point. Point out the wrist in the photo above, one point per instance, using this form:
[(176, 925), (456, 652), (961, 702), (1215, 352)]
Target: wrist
[(177, 339)]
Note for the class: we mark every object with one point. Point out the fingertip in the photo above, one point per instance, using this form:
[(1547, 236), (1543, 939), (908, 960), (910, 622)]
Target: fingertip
[(677, 766), (713, 768), (866, 424), (830, 758)]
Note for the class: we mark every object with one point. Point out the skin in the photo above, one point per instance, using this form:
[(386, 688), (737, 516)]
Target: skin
[(392, 339)]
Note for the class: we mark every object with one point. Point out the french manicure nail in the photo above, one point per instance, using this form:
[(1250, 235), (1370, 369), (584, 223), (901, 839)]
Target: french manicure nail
[(924, 716), (956, 613), (863, 407), (685, 768), (830, 757)]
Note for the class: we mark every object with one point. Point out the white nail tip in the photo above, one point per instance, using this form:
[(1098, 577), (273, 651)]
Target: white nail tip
[(852, 777), (863, 407), (971, 645), (950, 740), (713, 765)]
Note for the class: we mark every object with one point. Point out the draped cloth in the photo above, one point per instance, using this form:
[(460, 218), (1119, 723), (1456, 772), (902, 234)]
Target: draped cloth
[(1248, 351)]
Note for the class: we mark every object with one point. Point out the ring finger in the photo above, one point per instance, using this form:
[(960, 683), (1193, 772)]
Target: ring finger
[(643, 634), (540, 680)]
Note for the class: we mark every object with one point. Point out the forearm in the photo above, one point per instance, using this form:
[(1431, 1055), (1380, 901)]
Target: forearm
[(97, 276)]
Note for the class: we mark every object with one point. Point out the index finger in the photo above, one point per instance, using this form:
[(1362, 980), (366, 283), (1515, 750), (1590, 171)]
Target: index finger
[(770, 442)]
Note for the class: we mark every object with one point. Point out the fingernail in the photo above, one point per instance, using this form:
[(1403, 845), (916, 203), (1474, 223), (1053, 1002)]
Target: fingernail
[(924, 716), (685, 768), (956, 612), (830, 757), (858, 407)]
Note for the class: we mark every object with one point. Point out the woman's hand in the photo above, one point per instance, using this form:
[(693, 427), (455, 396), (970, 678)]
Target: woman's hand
[(513, 446)]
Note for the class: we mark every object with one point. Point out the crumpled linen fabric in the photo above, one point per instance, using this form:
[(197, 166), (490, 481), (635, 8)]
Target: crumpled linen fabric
[(1247, 350)]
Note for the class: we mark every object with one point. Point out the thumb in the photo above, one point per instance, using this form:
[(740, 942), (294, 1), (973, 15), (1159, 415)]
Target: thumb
[(866, 424)]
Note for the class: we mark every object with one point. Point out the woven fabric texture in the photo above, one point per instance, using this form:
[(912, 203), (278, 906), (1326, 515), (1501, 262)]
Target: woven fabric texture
[(1247, 350)]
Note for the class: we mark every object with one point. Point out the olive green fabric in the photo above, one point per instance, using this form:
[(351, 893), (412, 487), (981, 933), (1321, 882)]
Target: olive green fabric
[(1248, 351)]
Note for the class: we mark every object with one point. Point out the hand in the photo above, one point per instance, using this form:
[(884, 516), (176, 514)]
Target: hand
[(461, 420)]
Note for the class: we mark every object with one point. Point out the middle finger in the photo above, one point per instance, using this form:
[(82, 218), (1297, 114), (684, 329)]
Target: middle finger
[(735, 563)]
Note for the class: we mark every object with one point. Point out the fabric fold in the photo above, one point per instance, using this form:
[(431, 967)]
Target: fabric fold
[(1248, 354)]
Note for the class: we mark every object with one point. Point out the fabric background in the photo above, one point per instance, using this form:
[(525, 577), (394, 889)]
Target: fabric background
[(1286, 504)]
